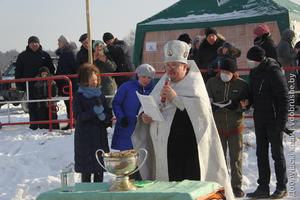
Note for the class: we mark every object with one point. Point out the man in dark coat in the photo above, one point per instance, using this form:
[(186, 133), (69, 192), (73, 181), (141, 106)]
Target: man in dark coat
[(263, 38), (27, 66), (208, 52), (66, 66), (269, 97), (119, 52), (83, 54)]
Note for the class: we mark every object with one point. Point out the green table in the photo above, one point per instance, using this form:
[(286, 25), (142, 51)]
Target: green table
[(156, 190)]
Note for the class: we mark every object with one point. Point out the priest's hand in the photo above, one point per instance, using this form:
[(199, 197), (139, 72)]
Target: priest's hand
[(146, 118), (168, 93)]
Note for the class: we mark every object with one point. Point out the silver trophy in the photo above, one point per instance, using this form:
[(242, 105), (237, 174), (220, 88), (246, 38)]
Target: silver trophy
[(122, 164)]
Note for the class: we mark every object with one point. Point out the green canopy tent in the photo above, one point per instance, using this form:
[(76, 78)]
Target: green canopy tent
[(192, 16)]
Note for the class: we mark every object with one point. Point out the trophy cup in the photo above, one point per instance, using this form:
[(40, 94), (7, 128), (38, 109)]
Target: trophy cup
[(122, 164)]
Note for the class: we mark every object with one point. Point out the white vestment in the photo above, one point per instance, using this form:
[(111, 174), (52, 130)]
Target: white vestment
[(191, 93)]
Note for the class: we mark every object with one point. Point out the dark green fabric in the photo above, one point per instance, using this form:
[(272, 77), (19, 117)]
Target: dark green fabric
[(227, 119), (185, 190)]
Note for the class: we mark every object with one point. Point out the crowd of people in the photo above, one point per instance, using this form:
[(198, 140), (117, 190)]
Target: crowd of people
[(203, 111)]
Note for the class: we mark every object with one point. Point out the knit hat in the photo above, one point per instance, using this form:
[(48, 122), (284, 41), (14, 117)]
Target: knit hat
[(83, 37), (256, 53), (261, 30), (209, 31), (145, 70), (33, 39), (185, 38), (176, 51), (63, 39), (96, 43), (44, 69), (107, 36), (228, 65)]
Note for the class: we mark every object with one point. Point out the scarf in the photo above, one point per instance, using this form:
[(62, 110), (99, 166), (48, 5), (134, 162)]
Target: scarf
[(90, 92)]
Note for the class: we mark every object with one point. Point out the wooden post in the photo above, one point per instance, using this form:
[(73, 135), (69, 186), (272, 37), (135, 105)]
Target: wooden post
[(88, 19)]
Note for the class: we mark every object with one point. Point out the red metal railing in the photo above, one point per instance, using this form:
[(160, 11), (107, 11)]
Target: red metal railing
[(50, 99)]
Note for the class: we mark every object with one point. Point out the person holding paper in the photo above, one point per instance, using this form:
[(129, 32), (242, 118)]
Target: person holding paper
[(126, 106), (233, 93), (186, 144)]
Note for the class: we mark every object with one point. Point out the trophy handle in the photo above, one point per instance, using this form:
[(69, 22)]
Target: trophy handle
[(139, 166), (96, 154)]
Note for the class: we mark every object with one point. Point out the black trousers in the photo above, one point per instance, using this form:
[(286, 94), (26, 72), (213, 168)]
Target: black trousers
[(266, 134), (33, 115)]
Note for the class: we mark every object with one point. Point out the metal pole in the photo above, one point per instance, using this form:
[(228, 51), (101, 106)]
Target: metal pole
[(88, 19)]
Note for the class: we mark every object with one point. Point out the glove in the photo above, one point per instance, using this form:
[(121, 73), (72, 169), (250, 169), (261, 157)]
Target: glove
[(288, 131), (124, 122), (98, 110)]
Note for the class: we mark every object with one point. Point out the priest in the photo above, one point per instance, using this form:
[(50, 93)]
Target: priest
[(186, 145)]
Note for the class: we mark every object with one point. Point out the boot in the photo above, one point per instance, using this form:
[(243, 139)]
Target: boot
[(259, 193), (278, 194), (238, 192)]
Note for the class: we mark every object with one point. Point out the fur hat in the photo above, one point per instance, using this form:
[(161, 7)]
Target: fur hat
[(185, 38), (256, 53), (83, 37), (33, 39), (63, 39), (228, 65), (176, 51), (107, 36), (145, 70), (209, 31), (261, 30)]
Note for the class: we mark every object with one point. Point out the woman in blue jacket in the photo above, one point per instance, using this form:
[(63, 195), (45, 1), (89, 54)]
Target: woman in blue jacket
[(126, 106)]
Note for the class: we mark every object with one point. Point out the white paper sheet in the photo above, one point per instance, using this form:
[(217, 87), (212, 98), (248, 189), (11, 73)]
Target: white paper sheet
[(150, 107)]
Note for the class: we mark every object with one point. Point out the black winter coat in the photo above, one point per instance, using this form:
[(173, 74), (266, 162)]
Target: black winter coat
[(267, 43), (66, 62), (119, 52), (28, 65), (82, 56), (66, 66), (208, 53), (90, 133), (269, 93)]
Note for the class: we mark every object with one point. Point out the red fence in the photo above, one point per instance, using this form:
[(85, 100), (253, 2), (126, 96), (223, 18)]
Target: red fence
[(50, 99)]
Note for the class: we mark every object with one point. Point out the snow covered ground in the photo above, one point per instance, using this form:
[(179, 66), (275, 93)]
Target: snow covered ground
[(30, 161)]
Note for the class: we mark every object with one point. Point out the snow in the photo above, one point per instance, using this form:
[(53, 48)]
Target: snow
[(214, 17), (209, 17), (31, 161)]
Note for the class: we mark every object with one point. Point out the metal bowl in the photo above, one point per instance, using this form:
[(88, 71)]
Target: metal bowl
[(121, 166)]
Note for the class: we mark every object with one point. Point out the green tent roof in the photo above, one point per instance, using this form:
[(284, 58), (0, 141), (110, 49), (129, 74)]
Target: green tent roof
[(188, 14)]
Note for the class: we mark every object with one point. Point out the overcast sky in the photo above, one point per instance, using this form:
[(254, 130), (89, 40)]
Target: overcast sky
[(48, 19)]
